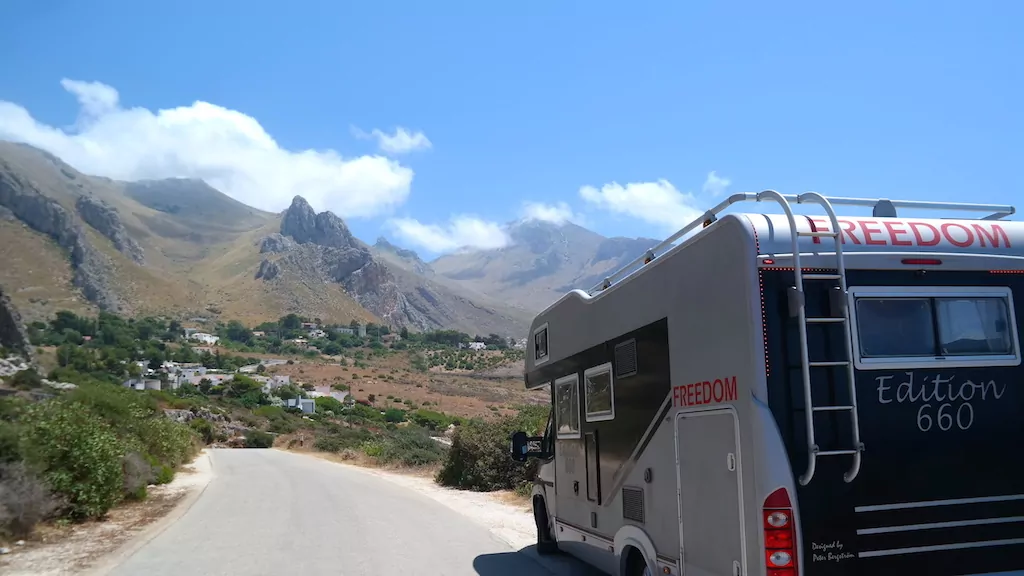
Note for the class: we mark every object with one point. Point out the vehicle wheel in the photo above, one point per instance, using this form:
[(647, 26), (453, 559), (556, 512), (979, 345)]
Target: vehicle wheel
[(545, 543), (637, 566)]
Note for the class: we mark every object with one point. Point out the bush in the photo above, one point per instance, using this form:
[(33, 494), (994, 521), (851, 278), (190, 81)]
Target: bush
[(79, 455), (138, 473), (27, 380), (258, 439), (406, 447), (203, 428), (342, 439), (479, 459), (25, 500)]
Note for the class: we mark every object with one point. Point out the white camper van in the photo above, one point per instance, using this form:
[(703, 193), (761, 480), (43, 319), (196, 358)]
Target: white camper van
[(784, 395)]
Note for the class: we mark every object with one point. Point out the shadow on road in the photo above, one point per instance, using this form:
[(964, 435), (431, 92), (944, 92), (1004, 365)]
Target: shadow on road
[(527, 562)]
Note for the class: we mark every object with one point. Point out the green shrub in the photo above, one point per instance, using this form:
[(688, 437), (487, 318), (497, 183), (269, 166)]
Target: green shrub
[(344, 438), (258, 439), (203, 428), (479, 458), (27, 379), (164, 474), (79, 455), (406, 447)]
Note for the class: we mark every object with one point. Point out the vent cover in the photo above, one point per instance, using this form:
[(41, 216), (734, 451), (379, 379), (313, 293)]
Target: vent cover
[(625, 358), (633, 504)]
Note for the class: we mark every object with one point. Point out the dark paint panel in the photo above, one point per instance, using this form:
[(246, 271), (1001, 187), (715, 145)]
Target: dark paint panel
[(638, 399), (901, 463)]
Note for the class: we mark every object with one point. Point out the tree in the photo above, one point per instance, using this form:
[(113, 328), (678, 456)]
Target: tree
[(261, 369), (404, 333), (237, 332), (291, 322)]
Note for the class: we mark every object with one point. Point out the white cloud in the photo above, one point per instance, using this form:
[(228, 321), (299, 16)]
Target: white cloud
[(554, 213), (226, 148), (715, 185), (654, 202), (462, 231), (401, 142)]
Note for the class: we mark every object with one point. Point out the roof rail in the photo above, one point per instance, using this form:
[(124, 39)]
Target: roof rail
[(881, 208)]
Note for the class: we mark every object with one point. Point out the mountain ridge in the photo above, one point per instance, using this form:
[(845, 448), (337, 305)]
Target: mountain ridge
[(179, 247)]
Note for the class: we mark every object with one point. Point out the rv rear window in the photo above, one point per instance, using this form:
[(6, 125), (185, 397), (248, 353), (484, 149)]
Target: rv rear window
[(955, 329), (567, 406), (599, 396)]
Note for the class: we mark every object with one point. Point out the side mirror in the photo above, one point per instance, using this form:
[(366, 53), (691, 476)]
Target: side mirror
[(524, 447), (520, 446)]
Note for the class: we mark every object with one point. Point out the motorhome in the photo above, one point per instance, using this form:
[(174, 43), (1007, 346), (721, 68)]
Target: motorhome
[(777, 394)]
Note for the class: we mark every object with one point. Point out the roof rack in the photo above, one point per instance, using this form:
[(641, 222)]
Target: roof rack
[(881, 208)]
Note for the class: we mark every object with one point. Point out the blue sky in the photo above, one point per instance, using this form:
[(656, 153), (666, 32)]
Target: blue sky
[(525, 102)]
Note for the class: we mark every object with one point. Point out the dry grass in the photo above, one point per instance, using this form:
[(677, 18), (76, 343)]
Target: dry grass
[(393, 375), (36, 274)]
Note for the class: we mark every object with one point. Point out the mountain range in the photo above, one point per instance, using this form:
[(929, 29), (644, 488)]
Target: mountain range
[(180, 248)]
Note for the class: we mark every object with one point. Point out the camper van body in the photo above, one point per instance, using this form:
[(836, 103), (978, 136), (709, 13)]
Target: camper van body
[(679, 442)]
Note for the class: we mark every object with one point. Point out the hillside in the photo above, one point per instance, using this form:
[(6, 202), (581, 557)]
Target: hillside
[(544, 261), (178, 247)]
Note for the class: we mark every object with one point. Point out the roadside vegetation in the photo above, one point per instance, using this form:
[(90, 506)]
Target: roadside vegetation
[(75, 442)]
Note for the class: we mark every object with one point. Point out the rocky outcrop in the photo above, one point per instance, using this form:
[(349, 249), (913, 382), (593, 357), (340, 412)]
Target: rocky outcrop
[(320, 246), (275, 244), (303, 224), (268, 270), (12, 331), (92, 270), (104, 218)]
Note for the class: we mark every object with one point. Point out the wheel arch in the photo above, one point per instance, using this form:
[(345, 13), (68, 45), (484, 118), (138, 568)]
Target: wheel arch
[(632, 537)]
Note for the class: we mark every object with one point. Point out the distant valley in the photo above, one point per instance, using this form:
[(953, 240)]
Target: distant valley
[(180, 248)]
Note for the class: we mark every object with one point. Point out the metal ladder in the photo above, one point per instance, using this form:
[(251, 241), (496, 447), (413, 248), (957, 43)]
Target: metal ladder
[(797, 301)]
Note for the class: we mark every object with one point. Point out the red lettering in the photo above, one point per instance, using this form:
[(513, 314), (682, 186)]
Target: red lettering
[(815, 223), (954, 241), (730, 389), (994, 236), (848, 227), (706, 392), (916, 228), (894, 231), (869, 231)]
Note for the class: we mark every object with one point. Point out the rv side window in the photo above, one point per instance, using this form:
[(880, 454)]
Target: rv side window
[(953, 328), (540, 344), (599, 397), (567, 406)]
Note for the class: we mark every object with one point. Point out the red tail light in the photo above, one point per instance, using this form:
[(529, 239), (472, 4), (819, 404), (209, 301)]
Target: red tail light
[(922, 261), (779, 535)]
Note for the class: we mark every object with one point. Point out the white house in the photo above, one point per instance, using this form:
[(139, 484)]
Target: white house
[(477, 346), (317, 333), (307, 405), (204, 338)]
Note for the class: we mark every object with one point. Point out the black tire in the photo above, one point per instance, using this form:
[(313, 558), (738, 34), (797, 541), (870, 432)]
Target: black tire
[(546, 545), (635, 564)]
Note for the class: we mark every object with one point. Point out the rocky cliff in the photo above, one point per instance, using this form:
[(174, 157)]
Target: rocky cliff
[(91, 268), (104, 218), (12, 332), (320, 248)]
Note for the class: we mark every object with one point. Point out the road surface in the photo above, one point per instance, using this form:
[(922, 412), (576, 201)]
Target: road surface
[(274, 513)]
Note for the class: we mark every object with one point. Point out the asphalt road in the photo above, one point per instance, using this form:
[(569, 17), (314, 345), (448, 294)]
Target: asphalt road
[(272, 513)]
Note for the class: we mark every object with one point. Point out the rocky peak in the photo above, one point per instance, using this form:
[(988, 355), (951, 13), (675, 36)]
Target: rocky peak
[(303, 224)]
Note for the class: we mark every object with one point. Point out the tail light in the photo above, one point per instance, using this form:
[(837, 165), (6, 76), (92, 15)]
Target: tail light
[(779, 534)]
